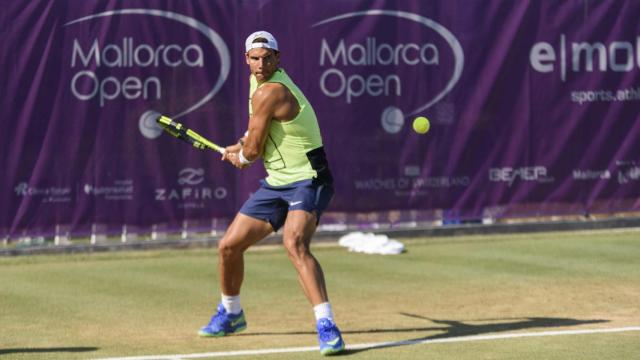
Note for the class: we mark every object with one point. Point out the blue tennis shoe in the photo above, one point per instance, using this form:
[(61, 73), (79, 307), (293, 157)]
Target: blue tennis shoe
[(329, 337), (223, 323)]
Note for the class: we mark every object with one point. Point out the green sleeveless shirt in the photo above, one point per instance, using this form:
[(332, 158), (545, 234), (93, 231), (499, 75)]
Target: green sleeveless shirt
[(285, 151)]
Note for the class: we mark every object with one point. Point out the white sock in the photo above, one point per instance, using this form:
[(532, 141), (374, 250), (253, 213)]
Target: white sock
[(323, 311), (231, 304)]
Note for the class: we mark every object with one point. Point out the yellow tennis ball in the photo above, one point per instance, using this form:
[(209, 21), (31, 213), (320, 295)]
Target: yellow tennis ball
[(421, 125)]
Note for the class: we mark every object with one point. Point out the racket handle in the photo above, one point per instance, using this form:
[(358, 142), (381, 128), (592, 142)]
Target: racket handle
[(221, 150)]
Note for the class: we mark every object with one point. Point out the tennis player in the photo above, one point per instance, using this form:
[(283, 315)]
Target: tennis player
[(283, 130)]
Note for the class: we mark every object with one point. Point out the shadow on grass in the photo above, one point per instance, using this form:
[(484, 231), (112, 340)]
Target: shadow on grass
[(46, 350), (450, 329), (453, 329)]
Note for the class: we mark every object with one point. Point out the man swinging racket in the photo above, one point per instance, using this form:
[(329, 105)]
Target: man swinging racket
[(283, 130)]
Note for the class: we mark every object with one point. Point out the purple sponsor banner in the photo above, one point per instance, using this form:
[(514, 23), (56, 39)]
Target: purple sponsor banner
[(534, 114)]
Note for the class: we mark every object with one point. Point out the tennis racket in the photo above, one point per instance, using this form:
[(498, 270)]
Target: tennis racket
[(183, 133)]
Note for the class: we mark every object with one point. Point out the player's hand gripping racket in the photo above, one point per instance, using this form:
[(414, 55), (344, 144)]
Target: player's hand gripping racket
[(181, 132)]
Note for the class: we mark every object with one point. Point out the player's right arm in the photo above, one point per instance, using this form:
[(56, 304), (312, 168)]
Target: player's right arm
[(264, 103)]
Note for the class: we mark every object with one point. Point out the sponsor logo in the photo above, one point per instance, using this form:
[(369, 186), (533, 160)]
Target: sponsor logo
[(408, 183), (148, 126), (591, 174), (346, 60), (411, 186), (191, 192), (48, 194), (124, 58), (412, 170), (630, 174), (120, 190), (582, 56), (392, 120), (189, 176), (527, 173)]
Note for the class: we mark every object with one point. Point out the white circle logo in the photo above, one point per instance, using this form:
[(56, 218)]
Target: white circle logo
[(148, 126), (392, 120)]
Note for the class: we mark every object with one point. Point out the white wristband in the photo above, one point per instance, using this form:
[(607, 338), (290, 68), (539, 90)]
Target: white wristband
[(243, 160)]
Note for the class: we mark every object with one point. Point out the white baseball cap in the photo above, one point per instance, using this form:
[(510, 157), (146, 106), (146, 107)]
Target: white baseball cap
[(270, 44)]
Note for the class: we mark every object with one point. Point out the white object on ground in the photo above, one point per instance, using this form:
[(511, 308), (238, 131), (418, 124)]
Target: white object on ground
[(370, 243)]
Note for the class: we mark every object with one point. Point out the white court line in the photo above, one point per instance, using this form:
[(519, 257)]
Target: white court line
[(377, 345)]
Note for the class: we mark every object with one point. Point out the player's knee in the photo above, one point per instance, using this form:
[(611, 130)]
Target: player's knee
[(295, 245), (228, 250)]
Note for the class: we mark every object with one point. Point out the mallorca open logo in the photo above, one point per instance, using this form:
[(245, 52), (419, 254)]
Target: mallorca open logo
[(408, 69), (121, 64)]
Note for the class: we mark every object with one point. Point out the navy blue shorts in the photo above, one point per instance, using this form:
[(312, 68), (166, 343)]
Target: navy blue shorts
[(272, 203)]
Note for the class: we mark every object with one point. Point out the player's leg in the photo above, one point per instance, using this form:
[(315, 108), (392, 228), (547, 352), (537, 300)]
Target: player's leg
[(298, 230), (307, 200), (243, 232)]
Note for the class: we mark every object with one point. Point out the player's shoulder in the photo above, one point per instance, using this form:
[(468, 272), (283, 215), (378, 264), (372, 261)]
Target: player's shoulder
[(270, 91), (275, 88)]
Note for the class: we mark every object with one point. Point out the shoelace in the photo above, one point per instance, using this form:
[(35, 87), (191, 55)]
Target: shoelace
[(218, 318), (327, 332)]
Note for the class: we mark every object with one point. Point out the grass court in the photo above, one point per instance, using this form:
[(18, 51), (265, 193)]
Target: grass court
[(124, 304)]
